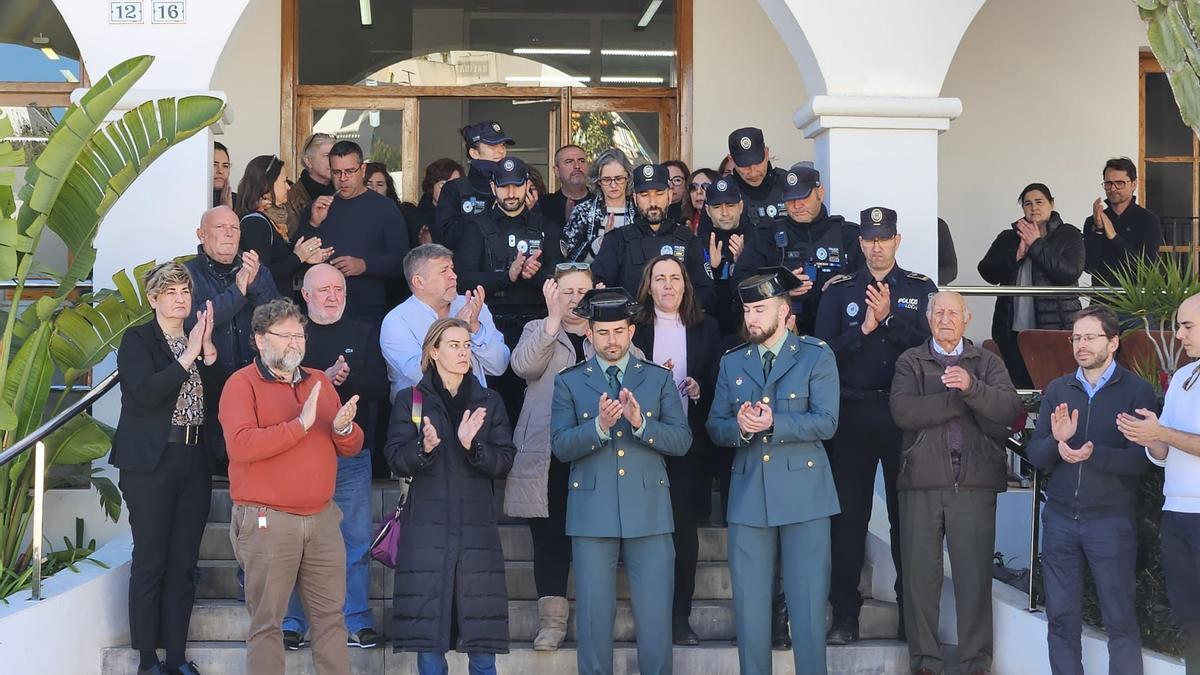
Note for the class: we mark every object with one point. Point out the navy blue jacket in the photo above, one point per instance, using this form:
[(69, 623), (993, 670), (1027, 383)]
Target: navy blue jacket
[(1105, 484)]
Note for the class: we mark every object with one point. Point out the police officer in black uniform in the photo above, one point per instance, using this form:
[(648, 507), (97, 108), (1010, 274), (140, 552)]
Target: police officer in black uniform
[(815, 245), (470, 195), (869, 319), (509, 250), (624, 251), (760, 183), (724, 237)]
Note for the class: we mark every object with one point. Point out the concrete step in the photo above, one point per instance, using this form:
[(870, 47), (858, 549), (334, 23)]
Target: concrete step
[(514, 539), (227, 620), (881, 657)]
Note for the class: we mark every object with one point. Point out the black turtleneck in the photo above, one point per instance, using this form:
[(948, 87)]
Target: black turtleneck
[(314, 188)]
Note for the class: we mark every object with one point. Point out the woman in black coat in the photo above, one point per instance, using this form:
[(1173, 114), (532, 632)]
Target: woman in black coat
[(674, 332), (1037, 250), (165, 476), (450, 590)]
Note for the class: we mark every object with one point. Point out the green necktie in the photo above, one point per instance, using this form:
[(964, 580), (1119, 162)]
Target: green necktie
[(768, 361), (614, 384)]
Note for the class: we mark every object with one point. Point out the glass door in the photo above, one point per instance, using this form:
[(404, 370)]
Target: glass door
[(642, 128), (385, 127)]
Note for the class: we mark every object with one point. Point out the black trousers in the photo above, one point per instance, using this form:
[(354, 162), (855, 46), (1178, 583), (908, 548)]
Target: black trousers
[(689, 486), (551, 545), (865, 437), (168, 508)]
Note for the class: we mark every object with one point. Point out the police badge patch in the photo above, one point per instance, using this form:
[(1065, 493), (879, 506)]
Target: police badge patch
[(468, 206), (512, 240), (722, 185), (852, 309), (772, 211), (648, 171), (745, 142), (792, 179), (822, 254), (665, 250), (876, 216), (508, 165)]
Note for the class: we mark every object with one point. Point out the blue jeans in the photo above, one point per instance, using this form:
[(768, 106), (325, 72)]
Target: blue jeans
[(1109, 547), (352, 494), (433, 663)]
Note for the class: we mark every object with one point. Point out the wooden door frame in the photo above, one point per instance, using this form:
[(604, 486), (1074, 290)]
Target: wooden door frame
[(679, 113), (407, 105)]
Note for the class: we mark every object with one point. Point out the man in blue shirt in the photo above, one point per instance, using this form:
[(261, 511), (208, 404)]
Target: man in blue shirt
[(1090, 496)]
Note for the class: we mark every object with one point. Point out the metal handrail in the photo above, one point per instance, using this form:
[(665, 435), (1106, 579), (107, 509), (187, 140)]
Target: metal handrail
[(8, 284), (51, 425), (1032, 290)]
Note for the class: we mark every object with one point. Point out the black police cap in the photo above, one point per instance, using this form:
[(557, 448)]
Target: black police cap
[(722, 191), (487, 131), (877, 222), (606, 304), (769, 282), (510, 171), (651, 177), (746, 146), (800, 181)]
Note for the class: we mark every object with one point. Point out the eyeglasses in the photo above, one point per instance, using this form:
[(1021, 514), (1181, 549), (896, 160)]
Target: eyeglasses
[(1090, 337), (290, 337), (610, 181), (324, 138), (1187, 384), (1118, 184), (346, 173), (692, 187), (676, 180), (573, 267)]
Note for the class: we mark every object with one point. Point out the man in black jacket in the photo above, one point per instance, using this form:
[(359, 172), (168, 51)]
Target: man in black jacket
[(1088, 518), (348, 351), (1124, 230), (571, 167), (470, 195)]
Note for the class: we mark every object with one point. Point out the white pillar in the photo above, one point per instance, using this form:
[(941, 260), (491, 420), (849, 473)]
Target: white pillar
[(882, 151)]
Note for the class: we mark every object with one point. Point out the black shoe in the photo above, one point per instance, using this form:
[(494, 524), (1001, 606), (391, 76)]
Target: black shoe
[(366, 638), (159, 668), (781, 637), (843, 632), (187, 668), (292, 641), (682, 633)]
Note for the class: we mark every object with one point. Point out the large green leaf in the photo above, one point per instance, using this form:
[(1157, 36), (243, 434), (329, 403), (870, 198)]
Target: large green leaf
[(27, 383), (8, 418), (87, 332), (82, 439)]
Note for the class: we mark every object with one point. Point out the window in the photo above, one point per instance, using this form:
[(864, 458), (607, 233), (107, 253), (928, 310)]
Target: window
[(1170, 165)]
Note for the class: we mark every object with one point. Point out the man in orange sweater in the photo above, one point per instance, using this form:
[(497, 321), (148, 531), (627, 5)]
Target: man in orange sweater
[(284, 427)]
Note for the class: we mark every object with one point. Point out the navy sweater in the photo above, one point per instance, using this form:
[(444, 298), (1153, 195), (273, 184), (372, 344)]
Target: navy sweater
[(369, 226), (1105, 484)]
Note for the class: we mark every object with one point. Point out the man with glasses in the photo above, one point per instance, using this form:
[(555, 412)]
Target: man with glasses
[(624, 252), (470, 195), (571, 167), (510, 251), (366, 231), (314, 181), (1173, 442), (1088, 521), (869, 319), (806, 239), (1124, 230)]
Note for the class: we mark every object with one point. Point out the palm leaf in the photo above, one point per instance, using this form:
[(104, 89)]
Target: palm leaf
[(82, 439), (87, 332), (27, 383)]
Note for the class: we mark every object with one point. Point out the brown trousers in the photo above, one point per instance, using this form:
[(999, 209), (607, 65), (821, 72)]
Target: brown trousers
[(292, 551)]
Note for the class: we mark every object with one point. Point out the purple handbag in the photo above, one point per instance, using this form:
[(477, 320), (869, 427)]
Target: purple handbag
[(387, 539)]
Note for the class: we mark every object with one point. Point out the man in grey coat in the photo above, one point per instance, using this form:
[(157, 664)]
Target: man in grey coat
[(955, 403), (614, 417)]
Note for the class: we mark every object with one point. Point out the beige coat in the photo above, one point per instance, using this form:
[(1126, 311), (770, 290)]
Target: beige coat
[(537, 359)]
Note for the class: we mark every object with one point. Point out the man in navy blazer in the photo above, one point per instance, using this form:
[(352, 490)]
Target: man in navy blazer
[(614, 417)]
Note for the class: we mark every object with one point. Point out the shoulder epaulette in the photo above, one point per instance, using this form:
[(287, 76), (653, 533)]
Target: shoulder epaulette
[(734, 349), (840, 278), (651, 363), (572, 366), (813, 341), (917, 275)]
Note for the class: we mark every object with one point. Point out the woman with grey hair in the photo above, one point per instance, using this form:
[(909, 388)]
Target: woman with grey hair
[(165, 476), (610, 208)]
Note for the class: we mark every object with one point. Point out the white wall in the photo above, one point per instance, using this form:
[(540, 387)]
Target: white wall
[(248, 73), (744, 77), (1049, 92)]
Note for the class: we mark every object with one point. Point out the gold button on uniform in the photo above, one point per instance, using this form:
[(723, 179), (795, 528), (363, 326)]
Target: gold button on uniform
[(620, 472), (766, 458), (766, 399), (792, 395), (650, 441), (619, 434), (662, 482), (620, 453), (811, 464), (649, 414), (575, 484), (585, 416)]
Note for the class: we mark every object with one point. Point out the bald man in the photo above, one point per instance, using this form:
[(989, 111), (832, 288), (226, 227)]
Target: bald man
[(1173, 442), (954, 402), (236, 284), (348, 351)]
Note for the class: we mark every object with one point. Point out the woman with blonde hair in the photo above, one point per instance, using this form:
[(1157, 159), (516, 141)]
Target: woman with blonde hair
[(450, 435)]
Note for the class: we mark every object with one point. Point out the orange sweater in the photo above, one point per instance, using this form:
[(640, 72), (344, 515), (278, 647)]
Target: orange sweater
[(273, 461)]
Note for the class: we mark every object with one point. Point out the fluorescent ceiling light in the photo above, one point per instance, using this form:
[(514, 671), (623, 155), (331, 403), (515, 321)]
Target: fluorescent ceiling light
[(651, 10), (619, 79), (68, 75), (50, 53), (42, 42), (364, 12), (551, 51), (638, 52), (547, 78)]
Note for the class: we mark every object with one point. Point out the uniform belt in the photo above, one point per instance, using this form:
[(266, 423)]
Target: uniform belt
[(866, 395), (187, 434)]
